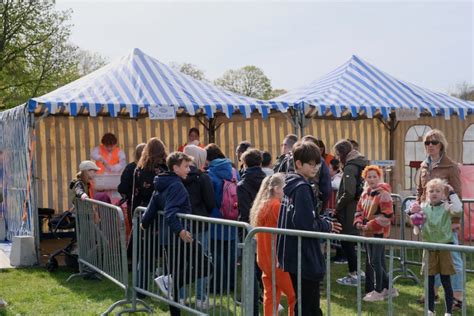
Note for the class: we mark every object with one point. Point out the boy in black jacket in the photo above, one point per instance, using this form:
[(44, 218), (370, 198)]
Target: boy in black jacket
[(298, 212), (171, 196)]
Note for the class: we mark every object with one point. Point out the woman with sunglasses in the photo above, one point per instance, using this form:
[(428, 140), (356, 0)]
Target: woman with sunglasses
[(438, 165)]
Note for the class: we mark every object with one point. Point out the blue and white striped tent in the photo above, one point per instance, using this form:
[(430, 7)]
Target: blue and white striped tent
[(358, 88), (137, 81)]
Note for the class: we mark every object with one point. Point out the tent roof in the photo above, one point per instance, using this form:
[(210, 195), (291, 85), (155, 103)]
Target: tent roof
[(357, 87), (139, 81)]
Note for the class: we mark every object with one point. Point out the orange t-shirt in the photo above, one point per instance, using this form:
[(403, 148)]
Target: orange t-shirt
[(267, 217)]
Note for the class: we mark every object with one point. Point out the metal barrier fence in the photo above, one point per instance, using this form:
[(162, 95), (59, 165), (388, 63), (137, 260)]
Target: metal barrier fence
[(101, 246), (207, 271), (249, 259)]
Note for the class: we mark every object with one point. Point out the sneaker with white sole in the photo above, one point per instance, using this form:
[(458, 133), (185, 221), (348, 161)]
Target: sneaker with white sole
[(202, 304), (349, 280), (281, 309), (165, 283), (374, 296)]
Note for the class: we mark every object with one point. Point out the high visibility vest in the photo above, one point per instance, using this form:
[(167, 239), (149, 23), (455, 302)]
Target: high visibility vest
[(111, 158)]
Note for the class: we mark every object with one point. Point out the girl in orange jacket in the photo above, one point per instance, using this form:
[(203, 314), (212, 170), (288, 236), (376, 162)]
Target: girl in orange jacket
[(265, 212), (373, 218)]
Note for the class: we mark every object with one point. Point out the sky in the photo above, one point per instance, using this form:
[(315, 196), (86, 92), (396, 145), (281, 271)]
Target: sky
[(429, 43)]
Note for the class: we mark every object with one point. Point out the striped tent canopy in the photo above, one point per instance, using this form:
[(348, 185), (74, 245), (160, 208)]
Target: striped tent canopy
[(136, 82), (358, 88)]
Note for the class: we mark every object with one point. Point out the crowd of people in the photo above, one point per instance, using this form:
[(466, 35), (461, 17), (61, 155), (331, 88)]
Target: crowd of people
[(307, 189)]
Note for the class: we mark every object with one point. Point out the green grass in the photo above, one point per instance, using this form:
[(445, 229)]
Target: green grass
[(35, 291)]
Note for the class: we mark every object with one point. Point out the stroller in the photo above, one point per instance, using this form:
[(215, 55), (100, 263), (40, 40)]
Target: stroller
[(61, 222)]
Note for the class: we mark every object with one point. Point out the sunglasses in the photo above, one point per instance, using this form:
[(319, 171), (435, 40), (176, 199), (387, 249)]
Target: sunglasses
[(432, 142)]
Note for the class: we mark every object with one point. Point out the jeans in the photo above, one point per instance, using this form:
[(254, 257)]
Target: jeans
[(351, 254), (456, 280), (375, 267), (310, 296)]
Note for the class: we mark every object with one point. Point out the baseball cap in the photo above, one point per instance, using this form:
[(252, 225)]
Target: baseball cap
[(88, 165)]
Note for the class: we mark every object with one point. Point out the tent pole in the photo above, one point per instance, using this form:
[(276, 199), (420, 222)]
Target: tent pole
[(212, 130)]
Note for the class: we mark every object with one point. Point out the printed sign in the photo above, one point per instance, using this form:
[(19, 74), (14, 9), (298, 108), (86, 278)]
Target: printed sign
[(383, 163), (161, 112), (407, 114)]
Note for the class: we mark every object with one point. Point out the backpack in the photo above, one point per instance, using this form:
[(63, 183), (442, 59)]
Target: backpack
[(229, 209)]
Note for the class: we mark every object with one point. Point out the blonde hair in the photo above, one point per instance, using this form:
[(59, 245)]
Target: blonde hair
[(437, 183), (438, 135), (266, 192)]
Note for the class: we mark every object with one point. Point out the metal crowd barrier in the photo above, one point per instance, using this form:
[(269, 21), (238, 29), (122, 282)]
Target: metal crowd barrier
[(100, 231), (249, 260), (211, 263)]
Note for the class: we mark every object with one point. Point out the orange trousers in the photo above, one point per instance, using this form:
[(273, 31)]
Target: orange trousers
[(283, 284)]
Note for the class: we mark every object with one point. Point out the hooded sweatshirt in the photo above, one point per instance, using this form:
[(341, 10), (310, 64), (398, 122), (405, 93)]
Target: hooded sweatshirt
[(297, 212), (375, 209), (171, 196), (346, 199), (247, 190)]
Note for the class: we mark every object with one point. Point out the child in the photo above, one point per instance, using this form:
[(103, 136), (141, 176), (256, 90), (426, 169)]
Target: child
[(265, 212), (81, 186), (373, 214), (171, 196), (297, 211), (438, 212)]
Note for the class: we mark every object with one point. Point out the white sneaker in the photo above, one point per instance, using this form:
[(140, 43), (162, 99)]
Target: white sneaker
[(374, 296), (281, 309), (430, 313), (165, 283), (447, 314), (202, 304)]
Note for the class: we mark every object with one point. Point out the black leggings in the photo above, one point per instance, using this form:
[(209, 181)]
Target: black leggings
[(448, 292), (349, 250), (310, 296)]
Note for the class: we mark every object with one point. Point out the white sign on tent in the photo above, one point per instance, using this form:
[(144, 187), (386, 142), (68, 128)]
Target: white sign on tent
[(164, 112)]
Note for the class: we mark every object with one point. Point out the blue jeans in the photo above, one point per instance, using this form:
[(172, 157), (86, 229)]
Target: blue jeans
[(456, 280), (201, 284)]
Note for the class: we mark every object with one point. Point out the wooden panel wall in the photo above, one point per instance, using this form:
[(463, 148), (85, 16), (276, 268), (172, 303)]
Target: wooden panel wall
[(63, 141)]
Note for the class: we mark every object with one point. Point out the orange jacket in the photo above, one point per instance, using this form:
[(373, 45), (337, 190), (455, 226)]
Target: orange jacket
[(181, 148), (375, 209), (267, 217), (111, 158)]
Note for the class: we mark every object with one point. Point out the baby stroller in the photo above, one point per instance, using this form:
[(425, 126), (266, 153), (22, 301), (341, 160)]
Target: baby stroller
[(65, 221)]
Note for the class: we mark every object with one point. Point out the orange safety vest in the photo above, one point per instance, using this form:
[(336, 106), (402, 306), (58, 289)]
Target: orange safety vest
[(111, 158)]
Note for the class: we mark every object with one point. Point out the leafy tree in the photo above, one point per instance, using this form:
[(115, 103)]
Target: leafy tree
[(190, 70), (276, 93), (249, 80), (464, 91), (88, 61), (35, 55)]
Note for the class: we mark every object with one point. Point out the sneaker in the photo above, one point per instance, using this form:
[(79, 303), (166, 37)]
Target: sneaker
[(394, 292), (430, 313), (374, 296), (281, 309), (349, 280), (163, 282), (457, 304), (447, 314), (3, 304), (202, 304)]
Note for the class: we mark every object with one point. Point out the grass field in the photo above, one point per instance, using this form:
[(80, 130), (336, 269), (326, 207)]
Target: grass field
[(35, 291)]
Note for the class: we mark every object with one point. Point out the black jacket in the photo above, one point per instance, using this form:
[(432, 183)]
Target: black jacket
[(201, 193), (125, 187), (247, 190), (297, 212), (143, 190)]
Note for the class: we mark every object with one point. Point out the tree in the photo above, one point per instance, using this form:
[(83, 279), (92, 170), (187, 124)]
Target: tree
[(35, 55), (464, 91), (89, 62), (249, 80), (276, 93), (190, 70)]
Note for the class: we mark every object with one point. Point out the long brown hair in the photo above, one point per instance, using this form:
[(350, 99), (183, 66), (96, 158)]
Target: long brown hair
[(154, 154)]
